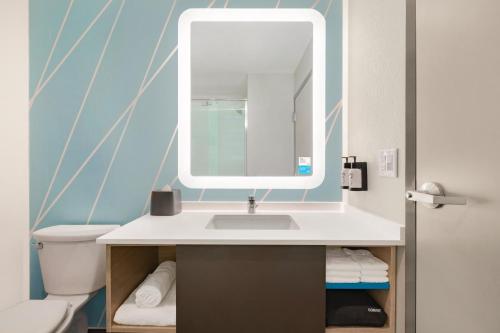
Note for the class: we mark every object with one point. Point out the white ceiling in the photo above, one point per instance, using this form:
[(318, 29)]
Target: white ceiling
[(248, 47)]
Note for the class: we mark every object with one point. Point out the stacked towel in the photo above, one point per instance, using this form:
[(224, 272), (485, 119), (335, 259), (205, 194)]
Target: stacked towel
[(154, 288), (342, 279), (353, 266), (341, 268), (339, 273), (372, 268)]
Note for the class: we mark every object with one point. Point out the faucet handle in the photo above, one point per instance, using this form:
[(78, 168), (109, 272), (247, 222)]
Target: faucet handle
[(251, 204)]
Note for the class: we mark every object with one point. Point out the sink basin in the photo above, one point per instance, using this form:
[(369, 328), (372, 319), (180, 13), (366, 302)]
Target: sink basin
[(252, 222)]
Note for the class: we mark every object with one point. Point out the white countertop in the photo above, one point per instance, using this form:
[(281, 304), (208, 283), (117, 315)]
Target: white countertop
[(341, 226)]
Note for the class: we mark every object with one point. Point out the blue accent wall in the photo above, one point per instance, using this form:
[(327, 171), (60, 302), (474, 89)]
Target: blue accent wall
[(93, 71)]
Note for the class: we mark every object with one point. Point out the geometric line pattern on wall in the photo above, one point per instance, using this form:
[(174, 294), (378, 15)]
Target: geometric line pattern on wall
[(41, 86), (103, 120), (131, 113)]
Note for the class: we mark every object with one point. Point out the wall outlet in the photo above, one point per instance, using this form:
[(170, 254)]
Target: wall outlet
[(388, 163)]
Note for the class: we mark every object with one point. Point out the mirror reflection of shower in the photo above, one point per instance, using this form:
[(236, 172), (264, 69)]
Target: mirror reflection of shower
[(254, 78), (218, 136)]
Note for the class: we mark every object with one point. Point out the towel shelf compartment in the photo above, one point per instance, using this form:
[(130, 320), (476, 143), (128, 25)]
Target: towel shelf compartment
[(127, 266), (385, 297)]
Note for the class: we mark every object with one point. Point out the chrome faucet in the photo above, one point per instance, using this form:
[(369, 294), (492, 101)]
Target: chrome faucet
[(251, 205)]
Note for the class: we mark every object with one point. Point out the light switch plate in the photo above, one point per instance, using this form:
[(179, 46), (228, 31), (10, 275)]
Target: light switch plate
[(388, 163)]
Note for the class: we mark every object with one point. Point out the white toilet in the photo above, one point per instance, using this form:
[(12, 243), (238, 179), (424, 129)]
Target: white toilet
[(73, 270)]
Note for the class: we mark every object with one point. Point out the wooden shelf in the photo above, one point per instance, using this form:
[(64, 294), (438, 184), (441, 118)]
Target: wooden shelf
[(338, 329), (141, 329), (171, 329)]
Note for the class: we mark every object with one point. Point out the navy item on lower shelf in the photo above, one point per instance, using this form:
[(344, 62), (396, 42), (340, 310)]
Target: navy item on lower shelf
[(353, 308)]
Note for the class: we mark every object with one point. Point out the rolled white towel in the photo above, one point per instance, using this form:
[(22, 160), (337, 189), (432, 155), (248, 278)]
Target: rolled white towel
[(374, 279), (342, 279), (366, 260), (154, 288)]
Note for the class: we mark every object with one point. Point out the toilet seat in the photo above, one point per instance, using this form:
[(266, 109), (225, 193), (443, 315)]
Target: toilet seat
[(54, 314), (75, 303), (34, 316)]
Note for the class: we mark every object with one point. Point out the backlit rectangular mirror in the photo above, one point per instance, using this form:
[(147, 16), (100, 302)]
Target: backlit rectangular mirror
[(251, 98)]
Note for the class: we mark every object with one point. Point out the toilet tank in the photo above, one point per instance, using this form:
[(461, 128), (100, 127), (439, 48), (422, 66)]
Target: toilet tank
[(71, 261)]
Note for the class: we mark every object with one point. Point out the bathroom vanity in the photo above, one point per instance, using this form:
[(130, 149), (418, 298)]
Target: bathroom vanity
[(250, 117), (273, 273)]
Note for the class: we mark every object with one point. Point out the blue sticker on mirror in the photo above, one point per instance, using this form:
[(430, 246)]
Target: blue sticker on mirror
[(304, 165), (304, 170)]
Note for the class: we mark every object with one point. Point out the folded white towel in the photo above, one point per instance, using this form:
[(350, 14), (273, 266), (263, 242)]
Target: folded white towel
[(154, 288), (336, 259), (335, 272), (374, 273), (335, 251), (163, 315), (366, 260), (342, 279), (359, 252), (374, 279)]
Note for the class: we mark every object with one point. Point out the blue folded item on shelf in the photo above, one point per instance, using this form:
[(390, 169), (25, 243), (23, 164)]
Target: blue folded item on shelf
[(359, 286)]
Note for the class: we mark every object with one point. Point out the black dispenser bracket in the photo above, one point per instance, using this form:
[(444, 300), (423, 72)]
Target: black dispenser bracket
[(356, 173)]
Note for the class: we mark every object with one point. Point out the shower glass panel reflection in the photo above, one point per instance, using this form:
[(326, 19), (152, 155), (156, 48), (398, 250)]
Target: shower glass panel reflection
[(218, 137)]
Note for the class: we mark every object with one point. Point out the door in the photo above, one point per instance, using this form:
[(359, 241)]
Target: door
[(458, 146)]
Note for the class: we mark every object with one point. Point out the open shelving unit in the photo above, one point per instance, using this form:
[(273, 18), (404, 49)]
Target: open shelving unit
[(127, 266), (384, 294)]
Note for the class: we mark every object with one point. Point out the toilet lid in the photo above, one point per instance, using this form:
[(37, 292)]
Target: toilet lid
[(34, 316), (73, 233)]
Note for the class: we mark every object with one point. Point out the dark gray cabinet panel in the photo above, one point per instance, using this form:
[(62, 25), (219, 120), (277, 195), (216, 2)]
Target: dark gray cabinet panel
[(250, 289)]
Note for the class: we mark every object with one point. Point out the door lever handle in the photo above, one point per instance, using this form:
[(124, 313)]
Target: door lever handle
[(432, 195)]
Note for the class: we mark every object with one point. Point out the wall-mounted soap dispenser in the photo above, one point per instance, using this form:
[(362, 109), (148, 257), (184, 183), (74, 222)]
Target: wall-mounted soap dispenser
[(354, 175), (344, 180)]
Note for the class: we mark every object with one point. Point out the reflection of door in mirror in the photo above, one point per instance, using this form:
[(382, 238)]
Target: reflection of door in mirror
[(268, 66), (218, 137), (303, 105)]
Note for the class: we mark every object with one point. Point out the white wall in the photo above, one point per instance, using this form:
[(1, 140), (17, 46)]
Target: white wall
[(221, 85), (377, 98), (14, 219), (270, 125), (376, 107), (304, 66)]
